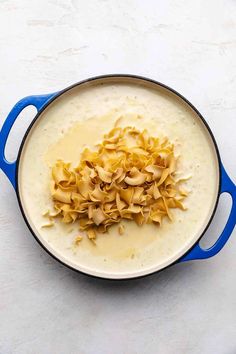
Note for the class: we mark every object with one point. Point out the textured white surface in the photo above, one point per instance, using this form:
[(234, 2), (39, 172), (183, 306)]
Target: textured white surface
[(47, 45)]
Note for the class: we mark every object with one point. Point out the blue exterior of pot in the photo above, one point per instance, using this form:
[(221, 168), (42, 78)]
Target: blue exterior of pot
[(40, 101)]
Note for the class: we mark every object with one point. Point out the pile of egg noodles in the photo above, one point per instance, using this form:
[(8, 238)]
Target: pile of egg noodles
[(129, 175)]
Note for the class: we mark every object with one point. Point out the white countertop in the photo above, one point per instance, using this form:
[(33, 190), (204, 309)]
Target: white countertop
[(44, 307)]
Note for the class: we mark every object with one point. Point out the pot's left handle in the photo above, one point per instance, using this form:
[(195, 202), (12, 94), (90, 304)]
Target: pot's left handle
[(9, 168)]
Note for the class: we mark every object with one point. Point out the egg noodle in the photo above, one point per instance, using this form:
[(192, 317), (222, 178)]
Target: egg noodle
[(129, 175)]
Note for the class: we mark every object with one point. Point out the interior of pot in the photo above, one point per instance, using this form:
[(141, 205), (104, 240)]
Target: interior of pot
[(78, 118)]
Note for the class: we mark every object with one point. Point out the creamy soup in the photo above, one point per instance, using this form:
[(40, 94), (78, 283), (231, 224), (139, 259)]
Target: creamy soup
[(78, 119)]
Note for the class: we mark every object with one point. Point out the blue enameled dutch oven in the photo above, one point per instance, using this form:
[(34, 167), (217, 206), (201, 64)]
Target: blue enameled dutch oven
[(43, 102)]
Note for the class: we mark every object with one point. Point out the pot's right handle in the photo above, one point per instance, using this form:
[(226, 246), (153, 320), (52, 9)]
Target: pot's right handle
[(199, 253), (38, 101)]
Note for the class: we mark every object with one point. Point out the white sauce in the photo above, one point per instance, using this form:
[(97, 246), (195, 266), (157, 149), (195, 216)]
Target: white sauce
[(79, 118)]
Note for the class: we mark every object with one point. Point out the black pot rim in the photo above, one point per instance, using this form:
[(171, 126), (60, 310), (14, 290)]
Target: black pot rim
[(99, 77)]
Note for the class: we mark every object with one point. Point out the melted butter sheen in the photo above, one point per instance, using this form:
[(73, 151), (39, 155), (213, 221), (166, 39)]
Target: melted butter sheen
[(80, 118)]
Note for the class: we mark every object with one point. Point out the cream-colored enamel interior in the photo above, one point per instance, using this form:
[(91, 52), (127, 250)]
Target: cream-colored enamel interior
[(79, 118)]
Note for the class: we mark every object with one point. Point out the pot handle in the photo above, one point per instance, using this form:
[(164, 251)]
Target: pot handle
[(199, 253), (38, 101)]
